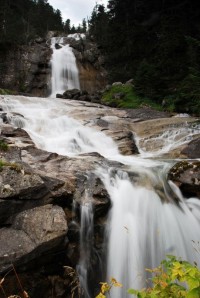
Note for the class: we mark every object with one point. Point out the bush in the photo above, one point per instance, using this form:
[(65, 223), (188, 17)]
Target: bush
[(173, 278), (124, 96)]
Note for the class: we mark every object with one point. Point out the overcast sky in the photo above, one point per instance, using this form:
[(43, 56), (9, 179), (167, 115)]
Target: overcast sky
[(75, 10)]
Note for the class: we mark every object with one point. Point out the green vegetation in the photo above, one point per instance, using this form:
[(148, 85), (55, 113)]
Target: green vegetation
[(125, 96), (12, 165), (6, 92), (156, 44), (2, 163), (3, 146), (24, 20), (173, 278)]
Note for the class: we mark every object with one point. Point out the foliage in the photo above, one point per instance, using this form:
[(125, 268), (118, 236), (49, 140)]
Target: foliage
[(155, 43), (6, 92), (188, 93), (106, 287), (173, 278), (129, 98), (12, 165), (22, 20), (3, 146)]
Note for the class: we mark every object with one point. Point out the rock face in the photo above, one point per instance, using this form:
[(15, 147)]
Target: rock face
[(27, 68), (192, 150), (33, 232), (92, 73), (186, 174)]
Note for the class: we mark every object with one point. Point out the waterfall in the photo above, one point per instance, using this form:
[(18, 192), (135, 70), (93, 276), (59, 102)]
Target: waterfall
[(143, 225), (64, 69), (143, 230)]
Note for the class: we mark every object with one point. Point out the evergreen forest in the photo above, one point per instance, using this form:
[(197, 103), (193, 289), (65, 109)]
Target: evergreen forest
[(155, 42)]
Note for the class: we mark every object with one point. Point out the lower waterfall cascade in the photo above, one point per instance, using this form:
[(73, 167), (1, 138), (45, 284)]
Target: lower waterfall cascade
[(142, 228)]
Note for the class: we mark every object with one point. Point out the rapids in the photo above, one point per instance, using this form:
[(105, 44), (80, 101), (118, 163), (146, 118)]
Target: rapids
[(142, 226)]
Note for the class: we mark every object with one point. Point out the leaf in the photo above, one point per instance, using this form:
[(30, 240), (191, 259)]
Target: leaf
[(100, 296), (132, 291), (195, 293), (105, 287), (116, 283)]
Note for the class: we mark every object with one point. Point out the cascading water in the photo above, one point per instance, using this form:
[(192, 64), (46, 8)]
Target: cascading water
[(65, 74), (144, 226)]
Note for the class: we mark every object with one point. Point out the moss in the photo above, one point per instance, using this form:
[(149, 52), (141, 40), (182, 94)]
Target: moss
[(3, 146), (129, 99), (7, 92)]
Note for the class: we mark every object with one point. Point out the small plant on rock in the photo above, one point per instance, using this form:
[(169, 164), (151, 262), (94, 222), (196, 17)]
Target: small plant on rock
[(173, 278), (3, 146)]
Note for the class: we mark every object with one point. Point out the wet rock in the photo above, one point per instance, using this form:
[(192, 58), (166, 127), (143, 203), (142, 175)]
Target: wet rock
[(186, 174), (192, 149), (33, 233), (59, 95), (4, 118), (91, 189), (57, 46), (125, 142), (71, 93)]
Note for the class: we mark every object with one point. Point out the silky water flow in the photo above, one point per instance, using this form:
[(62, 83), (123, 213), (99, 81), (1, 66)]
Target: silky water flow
[(143, 226), (64, 71)]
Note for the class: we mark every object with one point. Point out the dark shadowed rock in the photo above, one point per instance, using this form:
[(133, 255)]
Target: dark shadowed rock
[(57, 46), (192, 150), (59, 95), (33, 233), (20, 183), (69, 94), (186, 174)]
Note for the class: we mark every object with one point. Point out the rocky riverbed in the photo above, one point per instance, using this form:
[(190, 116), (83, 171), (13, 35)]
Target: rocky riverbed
[(41, 193)]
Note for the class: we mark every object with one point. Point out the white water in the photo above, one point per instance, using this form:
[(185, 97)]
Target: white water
[(168, 140), (142, 229), (65, 74)]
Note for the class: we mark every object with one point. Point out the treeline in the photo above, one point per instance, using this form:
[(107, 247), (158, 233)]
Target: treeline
[(23, 20), (155, 42)]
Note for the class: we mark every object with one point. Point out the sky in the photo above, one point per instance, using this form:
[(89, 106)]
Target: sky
[(75, 10)]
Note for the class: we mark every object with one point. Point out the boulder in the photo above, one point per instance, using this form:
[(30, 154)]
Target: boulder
[(69, 94), (33, 233), (117, 84), (192, 149), (186, 174), (19, 182), (57, 46)]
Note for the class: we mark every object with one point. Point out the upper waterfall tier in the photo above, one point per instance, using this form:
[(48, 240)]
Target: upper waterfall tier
[(64, 73)]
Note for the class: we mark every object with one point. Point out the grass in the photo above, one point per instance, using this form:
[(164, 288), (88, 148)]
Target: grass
[(3, 146), (12, 165), (130, 99)]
